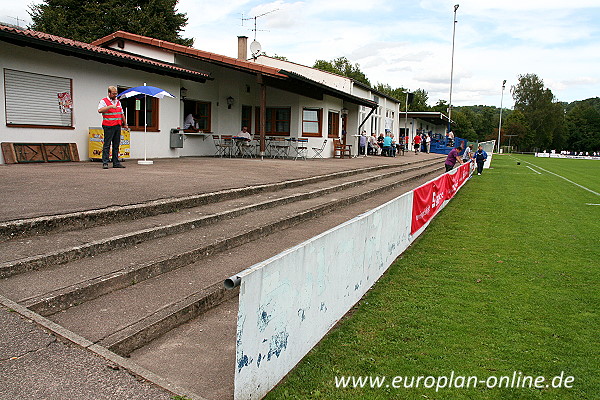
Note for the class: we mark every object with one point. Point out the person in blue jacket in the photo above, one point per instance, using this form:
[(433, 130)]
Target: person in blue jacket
[(480, 156)]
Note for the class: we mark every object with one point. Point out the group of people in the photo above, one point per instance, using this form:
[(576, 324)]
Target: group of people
[(454, 157), (386, 145)]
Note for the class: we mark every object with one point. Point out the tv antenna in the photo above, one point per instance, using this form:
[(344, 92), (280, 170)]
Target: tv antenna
[(19, 20), (255, 47)]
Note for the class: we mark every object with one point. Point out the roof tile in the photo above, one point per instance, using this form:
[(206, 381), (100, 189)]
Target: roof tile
[(96, 49)]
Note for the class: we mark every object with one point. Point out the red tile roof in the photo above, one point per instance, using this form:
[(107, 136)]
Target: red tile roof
[(190, 51), (12, 34)]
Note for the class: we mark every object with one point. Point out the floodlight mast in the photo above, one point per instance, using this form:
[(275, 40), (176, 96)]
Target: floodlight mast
[(500, 125), (452, 70)]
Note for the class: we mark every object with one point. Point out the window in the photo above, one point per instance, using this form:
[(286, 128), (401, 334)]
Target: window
[(38, 101), (311, 122), (201, 111), (333, 125), (247, 117), (203, 115), (140, 112), (277, 121)]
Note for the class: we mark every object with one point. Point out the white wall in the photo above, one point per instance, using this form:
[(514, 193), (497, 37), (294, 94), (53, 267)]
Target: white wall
[(90, 81), (332, 80), (145, 51), (289, 302)]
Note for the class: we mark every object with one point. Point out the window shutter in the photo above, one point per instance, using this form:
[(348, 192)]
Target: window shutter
[(32, 99)]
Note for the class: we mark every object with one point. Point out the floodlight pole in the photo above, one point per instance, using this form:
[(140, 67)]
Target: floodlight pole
[(405, 121), (500, 125), (452, 69)]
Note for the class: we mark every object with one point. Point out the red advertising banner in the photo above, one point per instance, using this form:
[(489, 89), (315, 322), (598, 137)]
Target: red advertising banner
[(428, 198)]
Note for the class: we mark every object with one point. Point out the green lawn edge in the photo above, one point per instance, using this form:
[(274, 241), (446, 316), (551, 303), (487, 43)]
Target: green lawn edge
[(504, 281)]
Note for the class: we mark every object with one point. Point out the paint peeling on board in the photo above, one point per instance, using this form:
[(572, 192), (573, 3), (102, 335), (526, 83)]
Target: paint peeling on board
[(323, 307), (243, 361), (263, 319), (301, 314), (279, 342)]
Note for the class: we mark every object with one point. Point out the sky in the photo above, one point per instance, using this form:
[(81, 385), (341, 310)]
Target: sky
[(408, 43)]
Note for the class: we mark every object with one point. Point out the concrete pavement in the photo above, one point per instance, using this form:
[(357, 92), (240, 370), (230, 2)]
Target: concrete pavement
[(33, 363)]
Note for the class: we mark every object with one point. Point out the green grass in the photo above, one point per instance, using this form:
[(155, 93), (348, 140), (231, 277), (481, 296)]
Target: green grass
[(505, 279)]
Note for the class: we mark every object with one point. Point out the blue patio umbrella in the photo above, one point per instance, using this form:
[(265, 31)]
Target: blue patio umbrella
[(140, 91), (143, 91)]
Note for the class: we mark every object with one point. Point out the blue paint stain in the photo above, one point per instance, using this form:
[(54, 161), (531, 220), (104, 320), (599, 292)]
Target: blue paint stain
[(243, 361), (278, 343), (301, 314), (258, 361), (357, 286), (263, 320), (323, 307)]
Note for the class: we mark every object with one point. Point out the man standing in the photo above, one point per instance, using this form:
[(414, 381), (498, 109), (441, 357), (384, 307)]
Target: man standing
[(467, 154), (453, 158), (450, 138), (112, 119), (428, 143), (417, 143), (480, 156)]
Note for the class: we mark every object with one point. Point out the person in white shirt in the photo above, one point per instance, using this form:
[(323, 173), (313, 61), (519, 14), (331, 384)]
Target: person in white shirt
[(245, 134), (190, 122)]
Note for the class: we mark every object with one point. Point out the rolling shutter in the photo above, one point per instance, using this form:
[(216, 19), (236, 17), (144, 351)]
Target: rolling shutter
[(33, 99)]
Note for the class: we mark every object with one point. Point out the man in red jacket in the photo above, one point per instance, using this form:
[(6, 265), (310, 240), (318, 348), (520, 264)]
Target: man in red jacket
[(112, 119)]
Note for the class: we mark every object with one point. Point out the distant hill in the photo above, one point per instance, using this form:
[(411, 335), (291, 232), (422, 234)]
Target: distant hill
[(593, 102)]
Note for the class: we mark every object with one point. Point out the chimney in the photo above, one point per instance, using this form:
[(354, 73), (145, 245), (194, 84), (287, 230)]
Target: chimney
[(242, 48)]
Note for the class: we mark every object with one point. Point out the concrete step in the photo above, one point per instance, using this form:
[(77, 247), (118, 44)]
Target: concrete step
[(143, 282), (32, 253), (86, 219), (176, 354), (152, 265)]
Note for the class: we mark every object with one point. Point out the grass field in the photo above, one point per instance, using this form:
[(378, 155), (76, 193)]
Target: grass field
[(505, 280)]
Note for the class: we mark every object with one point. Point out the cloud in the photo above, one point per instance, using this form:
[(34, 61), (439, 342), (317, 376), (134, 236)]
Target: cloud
[(408, 44)]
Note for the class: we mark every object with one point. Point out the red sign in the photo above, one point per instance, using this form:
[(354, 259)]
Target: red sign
[(428, 198)]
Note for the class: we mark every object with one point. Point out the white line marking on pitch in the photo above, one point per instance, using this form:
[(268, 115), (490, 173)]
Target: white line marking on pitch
[(537, 172), (562, 177), (591, 204)]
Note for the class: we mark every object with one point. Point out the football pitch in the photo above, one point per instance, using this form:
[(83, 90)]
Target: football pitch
[(498, 299)]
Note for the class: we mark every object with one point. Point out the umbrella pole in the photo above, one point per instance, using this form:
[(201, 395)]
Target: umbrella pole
[(145, 161)]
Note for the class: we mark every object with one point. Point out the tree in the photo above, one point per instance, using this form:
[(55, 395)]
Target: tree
[(544, 114), (583, 126), (441, 106), (419, 101), (342, 66), (516, 125), (463, 127), (86, 20)]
